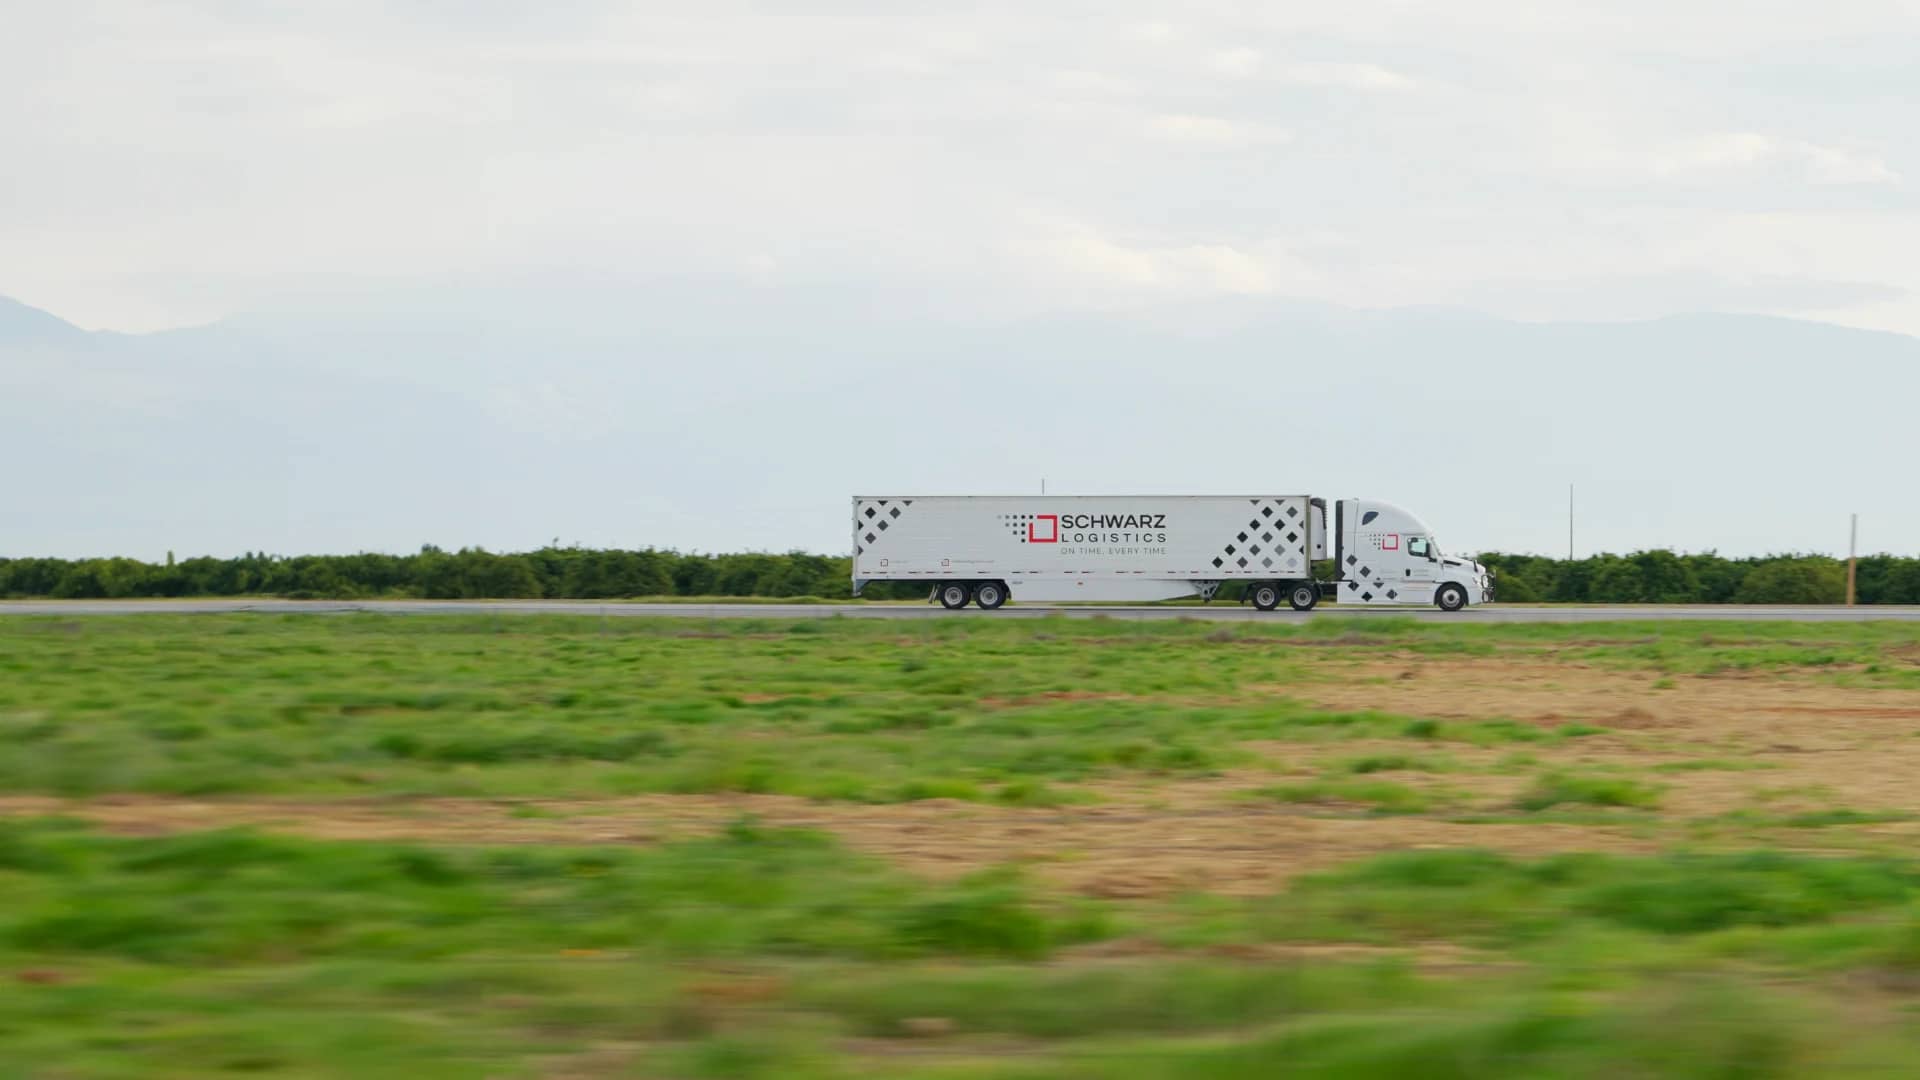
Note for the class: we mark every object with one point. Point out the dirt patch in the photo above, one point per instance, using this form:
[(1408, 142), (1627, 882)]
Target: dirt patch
[(1113, 851), (1859, 746), (1546, 692), (1634, 717)]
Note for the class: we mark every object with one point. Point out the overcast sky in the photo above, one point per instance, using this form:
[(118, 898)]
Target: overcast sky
[(490, 272), (169, 163)]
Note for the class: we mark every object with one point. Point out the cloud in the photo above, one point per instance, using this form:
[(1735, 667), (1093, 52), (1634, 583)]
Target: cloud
[(1087, 256), (1347, 76), (1746, 150), (1241, 61), (1212, 130), (1081, 80)]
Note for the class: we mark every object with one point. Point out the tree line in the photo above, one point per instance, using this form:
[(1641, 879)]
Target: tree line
[(1663, 577), (588, 574)]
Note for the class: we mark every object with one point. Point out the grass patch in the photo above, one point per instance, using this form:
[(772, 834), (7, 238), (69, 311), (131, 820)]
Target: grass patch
[(1564, 788), (1717, 1028), (1081, 1000), (238, 897), (1379, 796), (1820, 819), (1375, 763), (1479, 895)]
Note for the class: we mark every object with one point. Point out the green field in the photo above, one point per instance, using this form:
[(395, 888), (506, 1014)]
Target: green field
[(366, 845)]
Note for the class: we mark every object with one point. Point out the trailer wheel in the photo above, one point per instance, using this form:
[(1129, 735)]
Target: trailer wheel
[(1451, 597), (1265, 596), (953, 595), (1303, 596), (989, 594)]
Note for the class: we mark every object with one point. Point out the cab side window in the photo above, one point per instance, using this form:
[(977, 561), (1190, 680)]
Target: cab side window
[(1417, 548)]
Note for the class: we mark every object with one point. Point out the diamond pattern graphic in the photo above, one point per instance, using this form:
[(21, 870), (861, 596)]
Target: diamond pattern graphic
[(1257, 543), (872, 518)]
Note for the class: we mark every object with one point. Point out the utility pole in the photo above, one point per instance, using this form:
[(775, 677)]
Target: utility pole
[(1569, 522), (1853, 544), (1043, 485)]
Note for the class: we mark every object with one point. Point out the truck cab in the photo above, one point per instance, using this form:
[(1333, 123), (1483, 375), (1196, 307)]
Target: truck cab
[(1384, 555)]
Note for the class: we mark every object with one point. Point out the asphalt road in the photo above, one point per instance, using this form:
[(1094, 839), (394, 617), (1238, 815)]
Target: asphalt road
[(1223, 612)]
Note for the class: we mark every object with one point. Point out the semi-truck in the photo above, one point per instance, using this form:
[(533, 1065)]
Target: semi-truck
[(987, 550)]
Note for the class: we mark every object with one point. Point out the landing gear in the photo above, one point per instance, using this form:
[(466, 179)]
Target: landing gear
[(1303, 595), (989, 595), (953, 596), (1265, 596), (1451, 597)]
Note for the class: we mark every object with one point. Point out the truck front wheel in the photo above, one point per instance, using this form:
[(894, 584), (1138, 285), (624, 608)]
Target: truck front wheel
[(1451, 597), (953, 595), (989, 594), (1303, 596), (1265, 596)]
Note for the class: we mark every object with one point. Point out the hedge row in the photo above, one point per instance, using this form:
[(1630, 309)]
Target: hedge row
[(579, 573), (1662, 577)]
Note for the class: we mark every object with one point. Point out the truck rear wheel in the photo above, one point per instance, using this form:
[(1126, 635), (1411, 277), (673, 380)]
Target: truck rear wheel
[(989, 594), (1303, 596), (953, 595), (1451, 597), (1265, 596)]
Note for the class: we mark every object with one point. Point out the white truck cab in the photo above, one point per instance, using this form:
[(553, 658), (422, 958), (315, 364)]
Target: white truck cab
[(1385, 555)]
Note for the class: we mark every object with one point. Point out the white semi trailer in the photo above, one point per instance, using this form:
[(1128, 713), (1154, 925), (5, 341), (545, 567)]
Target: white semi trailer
[(987, 550)]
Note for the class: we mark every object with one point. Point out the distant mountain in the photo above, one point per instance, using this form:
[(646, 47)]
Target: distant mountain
[(724, 417), (20, 323)]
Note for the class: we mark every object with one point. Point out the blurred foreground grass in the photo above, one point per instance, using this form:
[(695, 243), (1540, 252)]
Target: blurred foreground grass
[(772, 953), (761, 951)]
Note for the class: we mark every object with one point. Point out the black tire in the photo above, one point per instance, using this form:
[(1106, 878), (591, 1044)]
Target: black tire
[(954, 594), (1303, 595), (1450, 597), (1265, 596), (989, 595)]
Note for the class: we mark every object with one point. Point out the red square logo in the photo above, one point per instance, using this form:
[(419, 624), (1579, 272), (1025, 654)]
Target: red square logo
[(1051, 536), (1391, 543)]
